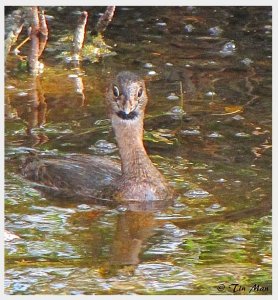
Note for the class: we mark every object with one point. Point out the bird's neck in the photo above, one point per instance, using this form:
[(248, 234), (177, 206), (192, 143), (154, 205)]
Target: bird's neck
[(129, 136)]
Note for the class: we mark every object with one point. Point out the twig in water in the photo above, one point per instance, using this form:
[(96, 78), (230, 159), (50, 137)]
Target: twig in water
[(43, 32), (228, 113), (105, 19), (33, 57), (16, 49), (79, 35), (17, 21)]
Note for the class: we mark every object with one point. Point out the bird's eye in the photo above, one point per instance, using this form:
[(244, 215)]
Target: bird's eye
[(116, 91), (140, 92)]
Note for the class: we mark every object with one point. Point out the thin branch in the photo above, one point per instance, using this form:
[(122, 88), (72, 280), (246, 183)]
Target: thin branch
[(13, 26), (105, 19), (79, 35), (43, 32), (16, 49), (33, 56)]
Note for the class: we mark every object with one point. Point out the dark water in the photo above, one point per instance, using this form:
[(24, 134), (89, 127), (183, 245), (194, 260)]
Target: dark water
[(208, 128)]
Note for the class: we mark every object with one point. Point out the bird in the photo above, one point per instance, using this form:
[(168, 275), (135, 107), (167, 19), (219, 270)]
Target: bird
[(91, 177)]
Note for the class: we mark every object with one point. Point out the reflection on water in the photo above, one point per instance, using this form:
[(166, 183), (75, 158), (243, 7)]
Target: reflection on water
[(207, 128)]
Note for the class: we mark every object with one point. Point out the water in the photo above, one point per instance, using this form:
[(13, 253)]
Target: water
[(212, 140)]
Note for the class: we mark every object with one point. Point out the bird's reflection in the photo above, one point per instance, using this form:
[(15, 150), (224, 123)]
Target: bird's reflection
[(133, 228)]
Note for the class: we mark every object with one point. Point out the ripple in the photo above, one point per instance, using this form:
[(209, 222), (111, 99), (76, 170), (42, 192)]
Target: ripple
[(214, 135), (105, 144), (238, 117), (237, 240), (152, 73), (189, 28), (10, 87), (172, 96), (72, 76), (103, 147), (215, 31), (50, 248), (190, 132), (58, 285), (210, 94), (176, 110), (242, 134), (8, 236), (173, 278), (220, 180), (148, 65), (162, 24), (247, 61), (83, 207), (164, 132), (197, 193), (102, 122), (21, 287), (215, 207), (228, 49), (22, 94)]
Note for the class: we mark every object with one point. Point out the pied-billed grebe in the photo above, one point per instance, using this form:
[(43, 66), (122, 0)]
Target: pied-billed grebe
[(93, 177)]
